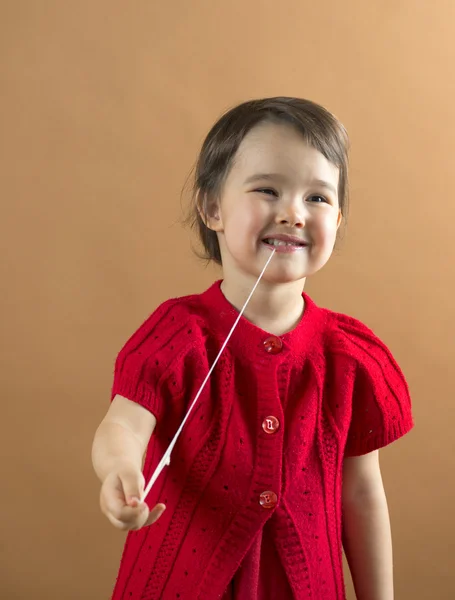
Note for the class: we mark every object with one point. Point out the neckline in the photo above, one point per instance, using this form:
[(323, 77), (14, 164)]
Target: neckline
[(225, 315)]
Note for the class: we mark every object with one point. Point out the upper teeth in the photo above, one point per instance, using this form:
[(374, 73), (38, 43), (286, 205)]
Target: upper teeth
[(274, 242)]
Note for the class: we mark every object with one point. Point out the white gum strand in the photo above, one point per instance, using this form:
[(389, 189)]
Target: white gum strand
[(165, 461)]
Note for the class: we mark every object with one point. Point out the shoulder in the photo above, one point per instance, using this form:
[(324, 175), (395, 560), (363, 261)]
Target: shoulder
[(349, 337), (173, 330), (158, 350), (356, 349), (168, 324), (372, 366), (381, 407)]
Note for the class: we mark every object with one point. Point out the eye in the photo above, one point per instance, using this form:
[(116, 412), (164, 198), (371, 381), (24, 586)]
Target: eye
[(268, 191), (320, 198)]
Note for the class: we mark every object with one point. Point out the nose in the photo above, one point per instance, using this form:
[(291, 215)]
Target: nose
[(291, 214)]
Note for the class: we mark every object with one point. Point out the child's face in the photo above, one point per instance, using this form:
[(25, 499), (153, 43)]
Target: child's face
[(272, 190)]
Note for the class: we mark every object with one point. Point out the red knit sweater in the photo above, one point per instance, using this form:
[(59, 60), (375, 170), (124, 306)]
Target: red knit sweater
[(253, 491)]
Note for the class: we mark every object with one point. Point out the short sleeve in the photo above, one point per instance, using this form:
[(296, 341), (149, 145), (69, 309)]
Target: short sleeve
[(381, 403), (131, 381), (144, 361)]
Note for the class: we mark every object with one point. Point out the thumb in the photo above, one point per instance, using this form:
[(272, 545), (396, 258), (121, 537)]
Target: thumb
[(133, 485), (155, 513)]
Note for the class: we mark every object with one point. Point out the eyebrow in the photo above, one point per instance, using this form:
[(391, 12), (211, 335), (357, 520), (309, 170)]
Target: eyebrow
[(276, 176)]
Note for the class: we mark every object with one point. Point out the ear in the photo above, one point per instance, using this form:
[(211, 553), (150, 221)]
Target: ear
[(339, 219), (209, 211)]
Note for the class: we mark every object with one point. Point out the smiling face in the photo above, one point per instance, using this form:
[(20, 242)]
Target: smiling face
[(280, 193)]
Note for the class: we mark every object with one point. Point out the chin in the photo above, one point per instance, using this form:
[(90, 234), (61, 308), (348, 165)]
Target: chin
[(284, 276)]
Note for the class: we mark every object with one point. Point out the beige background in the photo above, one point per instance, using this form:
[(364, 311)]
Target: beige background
[(103, 108)]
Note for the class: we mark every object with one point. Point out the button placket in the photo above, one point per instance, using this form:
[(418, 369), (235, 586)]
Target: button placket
[(270, 424)]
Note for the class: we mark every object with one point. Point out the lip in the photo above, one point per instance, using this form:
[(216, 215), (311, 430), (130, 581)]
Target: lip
[(282, 237), (285, 238)]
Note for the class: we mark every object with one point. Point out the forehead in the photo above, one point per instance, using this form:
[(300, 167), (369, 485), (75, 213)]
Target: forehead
[(279, 147)]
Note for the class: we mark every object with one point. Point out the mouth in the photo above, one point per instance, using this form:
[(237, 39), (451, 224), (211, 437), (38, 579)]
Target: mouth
[(289, 242)]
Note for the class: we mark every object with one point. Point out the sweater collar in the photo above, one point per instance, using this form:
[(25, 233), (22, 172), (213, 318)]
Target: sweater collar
[(222, 316)]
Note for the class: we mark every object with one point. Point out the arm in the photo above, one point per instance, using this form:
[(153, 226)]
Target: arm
[(367, 536), (122, 436), (118, 449)]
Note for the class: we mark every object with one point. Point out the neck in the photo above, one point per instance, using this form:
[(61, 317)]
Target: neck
[(276, 308)]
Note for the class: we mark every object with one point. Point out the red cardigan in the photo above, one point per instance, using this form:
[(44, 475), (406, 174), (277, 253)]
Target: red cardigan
[(253, 491)]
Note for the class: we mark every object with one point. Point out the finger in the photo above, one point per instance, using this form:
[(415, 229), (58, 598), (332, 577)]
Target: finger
[(114, 497), (115, 506), (134, 519), (155, 514), (133, 486), (134, 516), (111, 500), (128, 518), (118, 524)]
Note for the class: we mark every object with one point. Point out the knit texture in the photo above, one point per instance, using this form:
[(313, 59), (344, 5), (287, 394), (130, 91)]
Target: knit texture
[(335, 390)]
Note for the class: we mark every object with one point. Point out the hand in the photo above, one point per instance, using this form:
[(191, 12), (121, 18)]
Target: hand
[(120, 499)]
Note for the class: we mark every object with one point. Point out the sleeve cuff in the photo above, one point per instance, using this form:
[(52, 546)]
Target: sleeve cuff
[(372, 442), (137, 392)]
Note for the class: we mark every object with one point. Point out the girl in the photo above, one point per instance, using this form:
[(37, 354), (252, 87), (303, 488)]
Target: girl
[(277, 467)]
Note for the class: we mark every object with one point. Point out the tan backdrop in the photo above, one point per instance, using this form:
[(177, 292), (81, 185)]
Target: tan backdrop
[(103, 107)]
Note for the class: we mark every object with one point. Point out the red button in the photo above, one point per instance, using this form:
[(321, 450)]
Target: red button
[(270, 424), (273, 344), (268, 499)]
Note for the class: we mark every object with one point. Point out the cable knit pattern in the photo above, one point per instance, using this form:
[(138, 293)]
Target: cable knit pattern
[(253, 506)]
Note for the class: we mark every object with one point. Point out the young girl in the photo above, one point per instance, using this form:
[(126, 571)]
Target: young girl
[(277, 466)]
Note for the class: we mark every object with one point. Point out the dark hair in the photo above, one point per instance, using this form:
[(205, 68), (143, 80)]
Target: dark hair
[(318, 126)]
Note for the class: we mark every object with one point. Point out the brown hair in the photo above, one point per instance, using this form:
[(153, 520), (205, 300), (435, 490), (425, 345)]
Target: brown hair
[(318, 126)]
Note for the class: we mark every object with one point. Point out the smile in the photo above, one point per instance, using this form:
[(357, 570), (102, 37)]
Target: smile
[(284, 246), (273, 242)]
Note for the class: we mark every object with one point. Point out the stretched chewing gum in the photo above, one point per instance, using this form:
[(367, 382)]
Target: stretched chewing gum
[(165, 461)]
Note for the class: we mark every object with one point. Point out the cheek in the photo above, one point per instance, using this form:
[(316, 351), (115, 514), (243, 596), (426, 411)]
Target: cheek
[(247, 215), (328, 227)]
